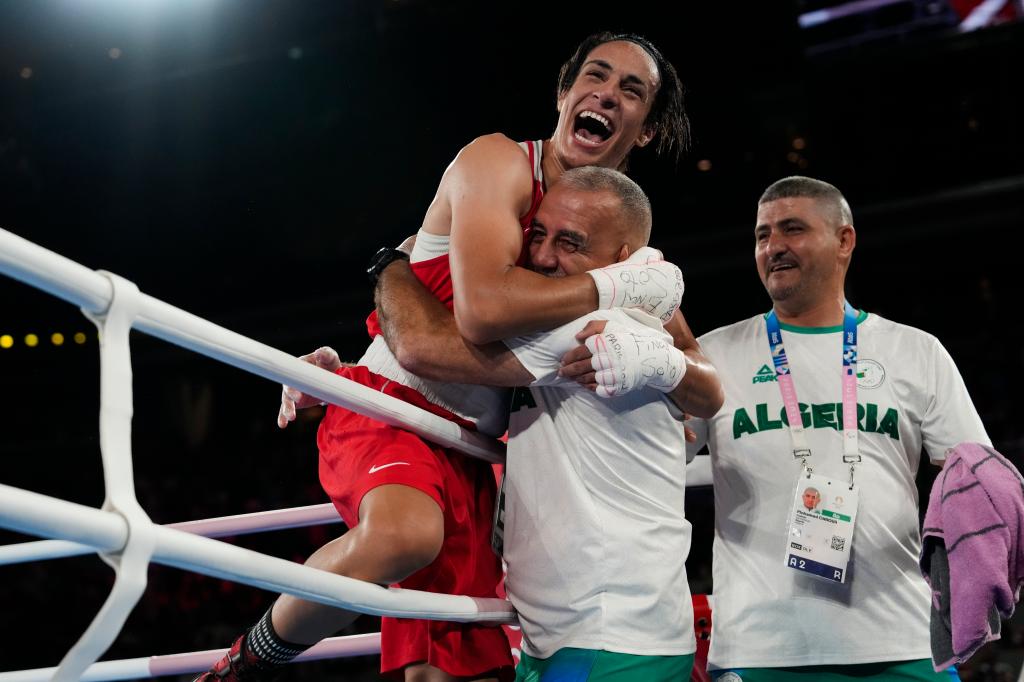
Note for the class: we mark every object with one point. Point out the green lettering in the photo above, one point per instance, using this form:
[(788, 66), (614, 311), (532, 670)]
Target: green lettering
[(890, 424), (741, 424), (824, 416), (763, 422), (871, 421), (820, 416)]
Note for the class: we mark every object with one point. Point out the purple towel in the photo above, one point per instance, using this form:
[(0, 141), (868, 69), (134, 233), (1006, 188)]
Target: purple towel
[(973, 550)]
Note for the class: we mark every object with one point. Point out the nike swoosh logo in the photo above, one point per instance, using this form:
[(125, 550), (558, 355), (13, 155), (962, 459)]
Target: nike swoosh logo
[(374, 469)]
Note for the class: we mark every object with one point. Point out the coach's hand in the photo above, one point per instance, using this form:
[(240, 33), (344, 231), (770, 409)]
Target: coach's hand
[(292, 398), (578, 364)]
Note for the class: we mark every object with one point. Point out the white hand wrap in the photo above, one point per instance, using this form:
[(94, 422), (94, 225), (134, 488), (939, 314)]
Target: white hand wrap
[(625, 360), (645, 281)]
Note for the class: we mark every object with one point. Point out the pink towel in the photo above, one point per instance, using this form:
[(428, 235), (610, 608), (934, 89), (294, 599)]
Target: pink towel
[(973, 551)]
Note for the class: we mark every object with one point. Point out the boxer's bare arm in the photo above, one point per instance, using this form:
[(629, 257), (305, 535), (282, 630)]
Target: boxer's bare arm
[(422, 335), (487, 189), (700, 392)]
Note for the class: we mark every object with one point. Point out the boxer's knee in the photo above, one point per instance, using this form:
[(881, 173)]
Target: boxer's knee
[(402, 528)]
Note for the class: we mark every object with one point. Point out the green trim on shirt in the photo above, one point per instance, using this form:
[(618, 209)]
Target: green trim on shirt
[(861, 316)]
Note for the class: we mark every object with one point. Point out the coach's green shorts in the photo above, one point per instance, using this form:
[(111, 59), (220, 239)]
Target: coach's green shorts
[(903, 671), (580, 665)]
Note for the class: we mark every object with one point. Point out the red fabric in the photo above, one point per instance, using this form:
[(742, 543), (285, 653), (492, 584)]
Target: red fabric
[(537, 192), (702, 629), (525, 220), (351, 447), (1008, 12)]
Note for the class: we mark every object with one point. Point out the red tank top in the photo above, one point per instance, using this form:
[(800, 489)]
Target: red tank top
[(436, 273)]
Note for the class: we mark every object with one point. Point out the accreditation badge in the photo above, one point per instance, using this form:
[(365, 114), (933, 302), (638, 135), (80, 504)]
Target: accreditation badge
[(821, 524)]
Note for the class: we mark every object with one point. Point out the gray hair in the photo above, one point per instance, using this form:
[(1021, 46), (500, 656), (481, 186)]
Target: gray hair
[(633, 203), (799, 186)]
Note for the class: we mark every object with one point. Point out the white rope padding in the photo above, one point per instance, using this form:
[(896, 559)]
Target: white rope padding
[(30, 512), (130, 560), (197, 661), (222, 526), (123, 534), (91, 291), (698, 473)]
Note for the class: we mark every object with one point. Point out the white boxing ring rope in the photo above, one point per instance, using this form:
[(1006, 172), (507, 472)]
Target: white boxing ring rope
[(125, 537), (197, 661), (238, 524), (92, 291)]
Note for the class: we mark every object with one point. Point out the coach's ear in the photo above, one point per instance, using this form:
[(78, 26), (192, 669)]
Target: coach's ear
[(623, 253)]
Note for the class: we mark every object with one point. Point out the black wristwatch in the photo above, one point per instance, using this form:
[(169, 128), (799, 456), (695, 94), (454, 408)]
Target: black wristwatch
[(381, 260)]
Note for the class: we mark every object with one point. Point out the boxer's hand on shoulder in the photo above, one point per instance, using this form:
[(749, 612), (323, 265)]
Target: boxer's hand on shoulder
[(645, 281), (292, 398), (626, 359)]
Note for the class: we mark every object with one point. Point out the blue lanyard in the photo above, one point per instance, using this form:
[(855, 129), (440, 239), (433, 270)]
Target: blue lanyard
[(784, 376)]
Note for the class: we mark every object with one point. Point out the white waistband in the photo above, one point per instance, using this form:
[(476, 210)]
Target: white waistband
[(486, 406)]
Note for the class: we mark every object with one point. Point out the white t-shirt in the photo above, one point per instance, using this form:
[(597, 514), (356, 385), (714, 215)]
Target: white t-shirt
[(910, 395), (595, 535)]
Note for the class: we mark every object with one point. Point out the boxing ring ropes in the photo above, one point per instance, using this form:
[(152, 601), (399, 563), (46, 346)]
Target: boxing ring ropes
[(124, 536)]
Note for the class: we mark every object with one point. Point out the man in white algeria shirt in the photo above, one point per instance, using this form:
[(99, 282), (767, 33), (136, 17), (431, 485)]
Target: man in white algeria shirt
[(595, 537)]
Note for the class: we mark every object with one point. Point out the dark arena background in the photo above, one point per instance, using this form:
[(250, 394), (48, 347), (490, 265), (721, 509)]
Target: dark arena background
[(243, 160)]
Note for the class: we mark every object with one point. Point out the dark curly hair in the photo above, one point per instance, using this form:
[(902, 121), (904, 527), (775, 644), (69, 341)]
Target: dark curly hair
[(668, 113)]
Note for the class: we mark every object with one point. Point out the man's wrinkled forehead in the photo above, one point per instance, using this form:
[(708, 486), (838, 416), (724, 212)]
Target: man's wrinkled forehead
[(799, 210)]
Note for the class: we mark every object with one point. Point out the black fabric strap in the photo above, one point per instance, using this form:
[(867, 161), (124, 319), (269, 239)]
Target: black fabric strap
[(264, 643)]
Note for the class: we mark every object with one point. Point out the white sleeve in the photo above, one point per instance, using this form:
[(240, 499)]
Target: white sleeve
[(950, 417), (541, 353)]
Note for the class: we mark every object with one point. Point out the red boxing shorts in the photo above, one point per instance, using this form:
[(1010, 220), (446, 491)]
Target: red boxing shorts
[(358, 454)]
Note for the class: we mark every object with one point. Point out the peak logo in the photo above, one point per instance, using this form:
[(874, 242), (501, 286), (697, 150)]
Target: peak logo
[(764, 375)]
